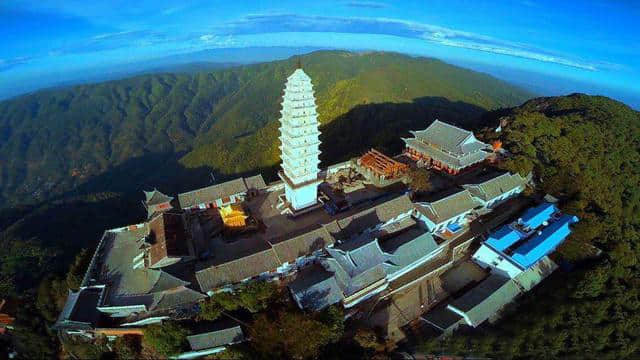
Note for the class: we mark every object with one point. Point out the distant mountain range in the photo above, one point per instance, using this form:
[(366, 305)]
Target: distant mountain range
[(203, 60), (172, 129)]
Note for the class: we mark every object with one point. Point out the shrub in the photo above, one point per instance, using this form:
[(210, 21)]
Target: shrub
[(167, 339)]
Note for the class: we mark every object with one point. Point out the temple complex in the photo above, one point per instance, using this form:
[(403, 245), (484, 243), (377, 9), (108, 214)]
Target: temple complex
[(446, 148), (351, 235)]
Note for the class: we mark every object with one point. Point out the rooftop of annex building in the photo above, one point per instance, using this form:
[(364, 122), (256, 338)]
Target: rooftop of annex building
[(277, 238), (268, 225), (538, 231)]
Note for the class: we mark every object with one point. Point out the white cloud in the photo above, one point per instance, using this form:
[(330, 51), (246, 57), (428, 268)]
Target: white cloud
[(512, 52), (113, 35), (207, 37), (281, 22)]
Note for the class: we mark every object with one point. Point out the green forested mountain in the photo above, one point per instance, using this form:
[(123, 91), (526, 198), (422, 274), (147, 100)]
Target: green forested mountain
[(126, 134), (586, 151)]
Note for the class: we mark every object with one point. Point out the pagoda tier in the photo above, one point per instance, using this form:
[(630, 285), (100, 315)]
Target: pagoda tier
[(300, 143)]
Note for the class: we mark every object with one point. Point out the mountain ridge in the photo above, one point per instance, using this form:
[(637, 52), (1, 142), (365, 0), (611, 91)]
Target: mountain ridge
[(55, 141)]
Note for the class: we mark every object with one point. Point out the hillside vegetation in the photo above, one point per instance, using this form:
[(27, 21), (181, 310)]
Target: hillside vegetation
[(88, 138), (586, 151)]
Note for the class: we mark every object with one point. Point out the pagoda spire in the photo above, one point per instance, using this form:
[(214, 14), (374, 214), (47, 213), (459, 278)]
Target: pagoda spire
[(300, 143)]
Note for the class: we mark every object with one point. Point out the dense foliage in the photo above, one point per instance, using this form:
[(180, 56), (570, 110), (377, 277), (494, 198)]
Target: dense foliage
[(585, 150), (120, 135), (254, 296), (127, 347), (420, 180), (45, 240), (168, 338), (289, 334)]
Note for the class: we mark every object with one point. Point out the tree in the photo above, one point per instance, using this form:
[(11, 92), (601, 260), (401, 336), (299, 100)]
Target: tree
[(97, 348), (128, 347), (210, 309), (52, 294), (291, 335), (30, 335), (78, 269), (420, 180), (333, 316), (366, 338), (167, 339), (256, 295)]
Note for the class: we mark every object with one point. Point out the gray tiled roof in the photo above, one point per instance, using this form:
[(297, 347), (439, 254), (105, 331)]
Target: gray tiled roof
[(448, 207), (449, 138), (362, 261), (487, 298), (363, 220), (289, 250), (168, 236), (166, 281), (80, 309), (458, 148), (453, 161), (496, 186), (535, 274), (216, 338), (408, 247), (175, 297), (350, 279), (155, 197), (125, 283), (211, 193), (255, 182), (442, 318), (237, 270), (366, 278), (315, 288)]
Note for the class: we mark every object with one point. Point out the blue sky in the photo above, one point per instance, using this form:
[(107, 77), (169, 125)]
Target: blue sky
[(591, 43)]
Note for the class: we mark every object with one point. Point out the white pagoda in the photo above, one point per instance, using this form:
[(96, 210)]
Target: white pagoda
[(300, 148)]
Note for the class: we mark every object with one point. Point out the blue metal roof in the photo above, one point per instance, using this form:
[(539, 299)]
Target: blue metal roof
[(504, 237), (534, 217), (545, 242), (454, 227)]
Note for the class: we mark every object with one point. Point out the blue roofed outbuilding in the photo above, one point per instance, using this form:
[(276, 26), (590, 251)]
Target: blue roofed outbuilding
[(544, 242), (536, 216), (518, 246), (504, 237)]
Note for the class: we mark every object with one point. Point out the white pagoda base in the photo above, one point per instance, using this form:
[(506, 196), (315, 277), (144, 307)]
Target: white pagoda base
[(300, 196)]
